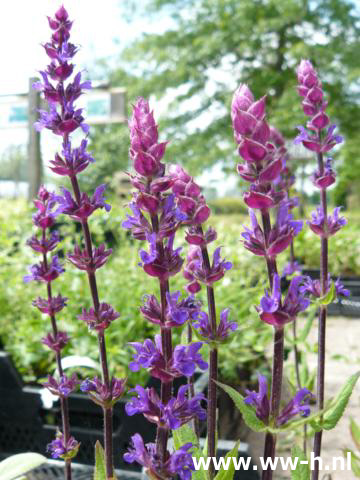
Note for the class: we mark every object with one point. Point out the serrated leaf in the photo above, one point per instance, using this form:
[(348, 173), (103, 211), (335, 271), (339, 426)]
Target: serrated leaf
[(338, 405), (100, 468), (229, 473), (355, 433), (329, 297), (247, 411), (302, 471), (17, 465)]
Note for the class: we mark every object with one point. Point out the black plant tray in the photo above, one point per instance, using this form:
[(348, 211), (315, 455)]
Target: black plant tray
[(26, 425)]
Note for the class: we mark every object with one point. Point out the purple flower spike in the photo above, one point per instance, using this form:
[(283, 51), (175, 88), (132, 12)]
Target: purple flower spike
[(276, 313), (260, 400), (64, 386), (59, 448), (334, 222), (298, 405), (101, 319)]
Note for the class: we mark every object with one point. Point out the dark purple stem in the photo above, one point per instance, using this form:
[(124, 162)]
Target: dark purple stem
[(190, 382), (108, 427), (213, 368), (162, 434), (278, 360), (322, 324), (63, 401)]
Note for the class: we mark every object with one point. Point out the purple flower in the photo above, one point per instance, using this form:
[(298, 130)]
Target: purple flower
[(312, 142), (45, 273), (73, 162), (101, 319), (59, 448), (223, 330), (299, 404), (178, 311), (332, 225), (314, 287), (186, 358), (163, 267), (194, 237), (82, 260), (44, 245), (290, 268), (50, 305), (86, 206), (179, 463), (61, 125), (45, 203), (101, 393), (277, 313), (260, 399), (280, 236), (325, 178), (137, 223), (56, 341), (62, 387), (198, 270), (178, 411)]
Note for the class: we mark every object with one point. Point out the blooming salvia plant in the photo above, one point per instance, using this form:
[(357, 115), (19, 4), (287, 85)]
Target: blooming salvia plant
[(44, 242), (319, 137), (155, 218), (61, 89), (263, 163)]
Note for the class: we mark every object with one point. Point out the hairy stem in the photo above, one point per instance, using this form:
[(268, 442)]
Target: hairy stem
[(320, 393), (108, 427), (190, 382)]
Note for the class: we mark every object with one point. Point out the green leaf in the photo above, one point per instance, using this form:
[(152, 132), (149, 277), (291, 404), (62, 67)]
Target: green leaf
[(355, 462), (302, 471), (306, 330), (329, 297), (186, 434), (338, 405), (100, 469), (20, 464), (229, 473), (355, 433), (247, 411)]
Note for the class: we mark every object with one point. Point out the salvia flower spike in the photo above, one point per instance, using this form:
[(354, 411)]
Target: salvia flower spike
[(62, 86), (155, 217), (264, 168), (319, 137), (47, 271)]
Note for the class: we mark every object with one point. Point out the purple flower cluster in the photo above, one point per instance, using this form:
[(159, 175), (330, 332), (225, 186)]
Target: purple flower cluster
[(178, 463), (298, 405), (62, 448), (103, 394)]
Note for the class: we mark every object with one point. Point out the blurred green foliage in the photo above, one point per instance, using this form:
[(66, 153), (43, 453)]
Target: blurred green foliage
[(205, 48)]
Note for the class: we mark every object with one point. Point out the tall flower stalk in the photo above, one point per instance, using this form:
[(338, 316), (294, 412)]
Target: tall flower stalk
[(199, 270), (263, 163), (155, 218), (319, 137), (63, 118), (48, 270)]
